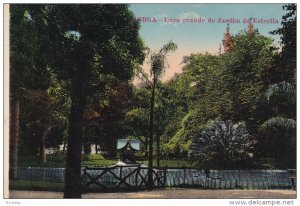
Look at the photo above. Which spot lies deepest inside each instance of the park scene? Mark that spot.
(152, 101)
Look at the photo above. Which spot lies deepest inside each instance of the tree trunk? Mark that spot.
(42, 152)
(43, 144)
(96, 144)
(65, 145)
(146, 147)
(14, 135)
(96, 148)
(43, 158)
(87, 148)
(150, 163)
(73, 160)
(157, 150)
(86, 143)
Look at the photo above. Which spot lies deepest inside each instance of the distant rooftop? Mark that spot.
(134, 143)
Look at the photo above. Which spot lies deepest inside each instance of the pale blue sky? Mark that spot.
(200, 37)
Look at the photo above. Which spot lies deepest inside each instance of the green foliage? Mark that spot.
(95, 40)
(57, 160)
(279, 131)
(158, 60)
(281, 127)
(279, 140)
(278, 122)
(137, 120)
(210, 98)
(53, 160)
(222, 145)
(282, 88)
(79, 45)
(171, 106)
(105, 115)
(92, 157)
(35, 185)
(51, 111)
(244, 76)
(282, 98)
(32, 81)
(284, 68)
(57, 157)
(170, 163)
(87, 55)
(178, 145)
(26, 66)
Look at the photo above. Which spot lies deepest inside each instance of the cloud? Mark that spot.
(189, 15)
(160, 16)
(163, 24)
(198, 5)
(181, 16)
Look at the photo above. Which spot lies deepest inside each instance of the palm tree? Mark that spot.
(279, 131)
(222, 145)
(282, 96)
(279, 122)
(14, 134)
(158, 61)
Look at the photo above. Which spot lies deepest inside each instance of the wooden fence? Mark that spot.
(120, 178)
(116, 178)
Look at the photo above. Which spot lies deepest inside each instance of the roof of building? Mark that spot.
(134, 143)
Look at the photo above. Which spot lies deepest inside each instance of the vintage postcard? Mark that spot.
(150, 101)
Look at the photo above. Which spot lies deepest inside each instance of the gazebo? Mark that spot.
(127, 149)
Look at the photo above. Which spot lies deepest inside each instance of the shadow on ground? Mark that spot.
(166, 194)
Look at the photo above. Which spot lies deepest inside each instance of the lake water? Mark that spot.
(174, 177)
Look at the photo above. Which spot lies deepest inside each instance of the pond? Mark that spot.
(222, 179)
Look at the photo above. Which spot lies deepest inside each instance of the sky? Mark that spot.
(171, 22)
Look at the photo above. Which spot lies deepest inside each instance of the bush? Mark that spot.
(36, 185)
(56, 157)
(222, 145)
(92, 157)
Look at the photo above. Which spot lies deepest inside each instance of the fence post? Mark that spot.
(183, 175)
(44, 174)
(292, 177)
(239, 183)
(165, 175)
(121, 172)
(136, 176)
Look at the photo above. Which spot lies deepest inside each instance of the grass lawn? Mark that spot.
(35, 185)
(169, 163)
(59, 161)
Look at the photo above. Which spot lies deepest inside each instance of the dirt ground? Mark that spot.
(166, 194)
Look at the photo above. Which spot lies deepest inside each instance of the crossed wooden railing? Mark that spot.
(122, 177)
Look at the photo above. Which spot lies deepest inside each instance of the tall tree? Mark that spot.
(106, 116)
(137, 123)
(284, 68)
(17, 59)
(81, 39)
(280, 128)
(158, 62)
(26, 72)
(244, 76)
